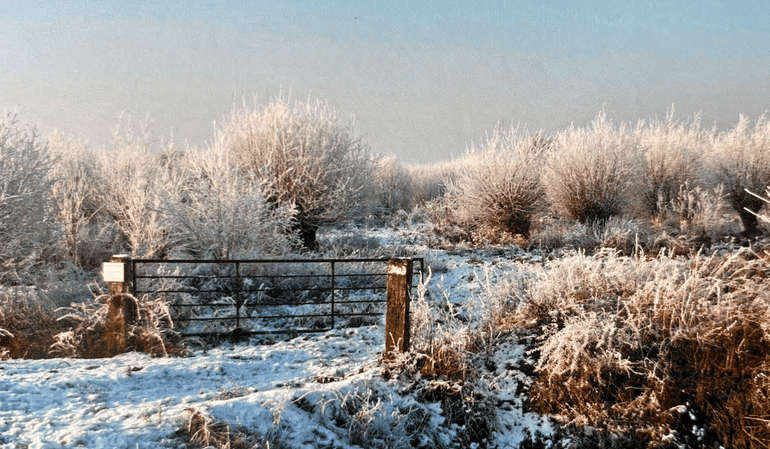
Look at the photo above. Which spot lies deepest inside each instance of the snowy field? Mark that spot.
(300, 389)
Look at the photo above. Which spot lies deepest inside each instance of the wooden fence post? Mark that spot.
(397, 316)
(117, 273)
(123, 309)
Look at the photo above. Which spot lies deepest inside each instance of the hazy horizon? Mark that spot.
(423, 80)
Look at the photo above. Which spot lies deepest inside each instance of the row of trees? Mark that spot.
(274, 174)
(601, 171)
(268, 180)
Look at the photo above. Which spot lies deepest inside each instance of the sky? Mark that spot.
(422, 79)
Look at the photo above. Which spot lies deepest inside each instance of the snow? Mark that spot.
(136, 401)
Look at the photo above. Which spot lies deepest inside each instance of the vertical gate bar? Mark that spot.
(237, 295)
(333, 286)
(132, 287)
(422, 269)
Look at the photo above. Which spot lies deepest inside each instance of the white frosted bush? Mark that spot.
(593, 173)
(314, 163)
(499, 186)
(674, 154)
(741, 162)
(130, 186)
(26, 225)
(213, 209)
(625, 343)
(89, 235)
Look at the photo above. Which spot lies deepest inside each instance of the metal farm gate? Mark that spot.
(268, 296)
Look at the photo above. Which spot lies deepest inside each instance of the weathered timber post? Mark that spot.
(397, 315)
(123, 309)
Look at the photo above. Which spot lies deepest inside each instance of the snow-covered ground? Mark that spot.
(297, 387)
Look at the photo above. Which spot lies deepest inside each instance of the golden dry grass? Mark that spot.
(638, 347)
(27, 323)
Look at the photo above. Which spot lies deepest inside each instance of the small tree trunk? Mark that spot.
(307, 234)
(750, 223)
(747, 207)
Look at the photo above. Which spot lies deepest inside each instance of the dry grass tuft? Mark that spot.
(109, 326)
(204, 432)
(27, 323)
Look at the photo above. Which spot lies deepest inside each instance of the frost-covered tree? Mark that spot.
(214, 209)
(26, 227)
(741, 162)
(499, 187)
(313, 162)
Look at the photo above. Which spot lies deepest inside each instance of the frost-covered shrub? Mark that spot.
(94, 329)
(674, 154)
(129, 188)
(314, 164)
(700, 212)
(499, 186)
(27, 322)
(213, 209)
(593, 173)
(392, 188)
(89, 236)
(439, 341)
(26, 225)
(442, 362)
(741, 161)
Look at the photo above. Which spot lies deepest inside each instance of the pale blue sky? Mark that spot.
(423, 79)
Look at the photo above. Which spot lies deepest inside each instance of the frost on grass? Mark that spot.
(625, 344)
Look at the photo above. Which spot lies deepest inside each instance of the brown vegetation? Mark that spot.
(650, 348)
(28, 323)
